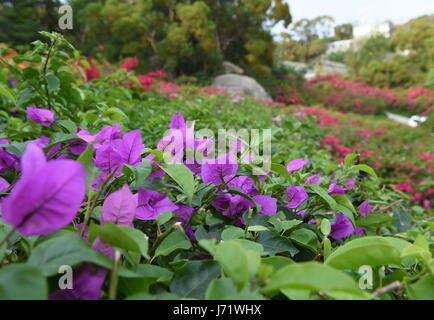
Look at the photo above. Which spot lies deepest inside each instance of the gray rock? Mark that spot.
(231, 68)
(238, 84)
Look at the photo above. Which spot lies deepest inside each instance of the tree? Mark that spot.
(306, 40)
(344, 31)
(182, 36)
(20, 20)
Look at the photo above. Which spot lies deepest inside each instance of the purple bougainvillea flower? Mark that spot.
(365, 209)
(342, 227)
(105, 248)
(120, 207)
(107, 135)
(360, 231)
(349, 183)
(131, 147)
(296, 196)
(184, 213)
(85, 135)
(44, 117)
(151, 204)
(230, 205)
(87, 284)
(312, 221)
(335, 189)
(41, 142)
(12, 83)
(108, 158)
(219, 169)
(8, 160)
(315, 179)
(47, 196)
(268, 205)
(296, 165)
(4, 185)
(244, 183)
(77, 147)
(178, 122)
(301, 213)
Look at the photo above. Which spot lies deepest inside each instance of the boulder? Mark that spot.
(231, 68)
(238, 84)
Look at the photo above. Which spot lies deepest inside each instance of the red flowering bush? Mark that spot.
(353, 96)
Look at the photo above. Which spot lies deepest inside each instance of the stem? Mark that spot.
(393, 286)
(249, 216)
(6, 238)
(93, 203)
(161, 237)
(114, 275)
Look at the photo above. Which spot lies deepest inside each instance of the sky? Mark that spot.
(359, 11)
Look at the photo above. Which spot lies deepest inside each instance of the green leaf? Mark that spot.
(374, 220)
(53, 82)
(277, 262)
(364, 168)
(193, 279)
(274, 243)
(284, 225)
(281, 170)
(140, 171)
(183, 177)
(322, 193)
(257, 228)
(220, 289)
(314, 276)
(422, 289)
(124, 237)
(306, 238)
(325, 227)
(349, 159)
(174, 241)
(65, 249)
(164, 217)
(371, 250)
(232, 232)
(5, 92)
(68, 125)
(22, 282)
(234, 261)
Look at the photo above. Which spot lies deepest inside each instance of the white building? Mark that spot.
(360, 33)
(372, 29)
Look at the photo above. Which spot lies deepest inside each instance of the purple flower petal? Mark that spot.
(87, 284)
(360, 231)
(44, 117)
(296, 196)
(4, 185)
(120, 207)
(108, 158)
(365, 209)
(130, 147)
(151, 204)
(342, 227)
(349, 183)
(315, 179)
(48, 195)
(335, 189)
(268, 204)
(223, 167)
(296, 165)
